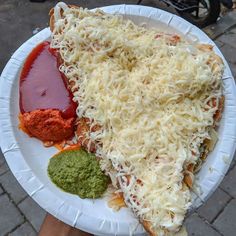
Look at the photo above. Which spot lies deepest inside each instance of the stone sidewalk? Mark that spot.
(19, 214)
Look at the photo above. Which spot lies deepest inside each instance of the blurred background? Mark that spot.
(20, 19)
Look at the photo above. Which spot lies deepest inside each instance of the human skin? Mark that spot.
(54, 227)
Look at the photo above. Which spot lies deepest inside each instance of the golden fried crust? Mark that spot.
(147, 227)
(52, 19)
(219, 111)
(205, 47)
(187, 178)
(117, 201)
(217, 116)
(83, 128)
(209, 48)
(213, 57)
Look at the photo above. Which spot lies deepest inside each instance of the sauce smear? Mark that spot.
(42, 85)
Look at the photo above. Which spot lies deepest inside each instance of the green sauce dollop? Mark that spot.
(78, 172)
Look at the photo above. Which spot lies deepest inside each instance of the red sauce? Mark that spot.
(42, 85)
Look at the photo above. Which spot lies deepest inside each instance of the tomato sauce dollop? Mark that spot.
(42, 86)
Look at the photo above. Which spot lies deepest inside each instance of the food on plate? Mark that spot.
(47, 109)
(82, 132)
(148, 105)
(77, 171)
(47, 125)
(155, 97)
(116, 201)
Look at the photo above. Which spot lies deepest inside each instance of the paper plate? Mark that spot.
(28, 158)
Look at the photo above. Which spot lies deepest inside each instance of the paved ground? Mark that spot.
(21, 216)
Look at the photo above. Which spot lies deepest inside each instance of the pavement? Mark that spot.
(19, 214)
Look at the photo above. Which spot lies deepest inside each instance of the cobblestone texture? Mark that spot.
(232, 165)
(198, 227)
(229, 53)
(214, 205)
(229, 183)
(33, 212)
(10, 216)
(3, 168)
(24, 230)
(1, 190)
(222, 26)
(225, 222)
(20, 215)
(228, 38)
(10, 184)
(2, 159)
(218, 43)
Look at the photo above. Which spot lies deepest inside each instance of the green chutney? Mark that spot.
(77, 171)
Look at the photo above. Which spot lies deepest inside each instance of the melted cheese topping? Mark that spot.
(152, 95)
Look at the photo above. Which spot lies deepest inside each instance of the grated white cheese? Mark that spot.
(153, 99)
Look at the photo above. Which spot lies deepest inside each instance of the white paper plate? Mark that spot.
(28, 159)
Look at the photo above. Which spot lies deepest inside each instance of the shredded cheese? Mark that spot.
(152, 95)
